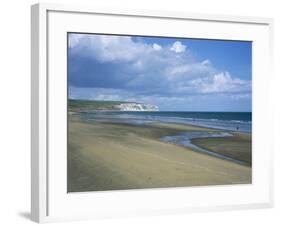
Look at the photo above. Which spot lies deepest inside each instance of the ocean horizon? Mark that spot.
(231, 121)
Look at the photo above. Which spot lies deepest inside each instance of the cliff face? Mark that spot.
(93, 105)
(136, 107)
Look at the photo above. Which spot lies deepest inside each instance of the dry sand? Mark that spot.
(104, 156)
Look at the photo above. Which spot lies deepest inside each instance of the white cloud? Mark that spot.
(178, 47)
(156, 46)
(239, 97)
(105, 48)
(149, 69)
(192, 69)
(221, 82)
(206, 63)
(74, 40)
(107, 97)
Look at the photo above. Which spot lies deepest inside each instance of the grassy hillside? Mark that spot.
(81, 105)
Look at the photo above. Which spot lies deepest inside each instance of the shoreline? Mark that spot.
(197, 148)
(194, 146)
(146, 117)
(117, 156)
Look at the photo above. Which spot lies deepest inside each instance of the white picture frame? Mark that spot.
(48, 194)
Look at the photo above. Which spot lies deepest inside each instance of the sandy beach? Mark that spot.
(113, 156)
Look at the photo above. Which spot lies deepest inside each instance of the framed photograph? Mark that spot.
(144, 112)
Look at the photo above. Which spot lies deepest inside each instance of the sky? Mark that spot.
(175, 74)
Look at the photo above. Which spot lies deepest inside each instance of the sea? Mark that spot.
(226, 122)
(229, 121)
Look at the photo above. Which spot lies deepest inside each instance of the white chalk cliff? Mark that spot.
(136, 107)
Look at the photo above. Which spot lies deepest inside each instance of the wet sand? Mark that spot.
(238, 146)
(114, 156)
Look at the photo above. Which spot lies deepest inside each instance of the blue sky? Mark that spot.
(175, 74)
